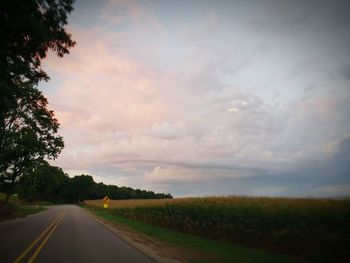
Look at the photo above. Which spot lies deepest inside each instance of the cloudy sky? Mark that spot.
(207, 97)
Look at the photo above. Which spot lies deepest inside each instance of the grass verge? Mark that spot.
(203, 250)
(28, 210)
(11, 211)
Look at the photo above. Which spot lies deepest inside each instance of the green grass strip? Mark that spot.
(28, 210)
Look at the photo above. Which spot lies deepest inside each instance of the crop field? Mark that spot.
(317, 229)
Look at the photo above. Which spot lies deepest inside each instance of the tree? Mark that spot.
(45, 183)
(29, 135)
(83, 186)
(28, 30)
(28, 130)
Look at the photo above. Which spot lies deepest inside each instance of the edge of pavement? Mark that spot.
(138, 245)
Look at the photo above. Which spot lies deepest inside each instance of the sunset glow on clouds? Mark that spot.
(207, 98)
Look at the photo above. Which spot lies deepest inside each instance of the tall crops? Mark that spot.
(311, 228)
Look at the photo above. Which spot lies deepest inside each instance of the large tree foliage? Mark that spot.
(47, 183)
(28, 136)
(28, 30)
(28, 129)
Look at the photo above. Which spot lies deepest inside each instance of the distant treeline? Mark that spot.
(49, 183)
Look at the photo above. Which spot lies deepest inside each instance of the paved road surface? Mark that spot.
(64, 234)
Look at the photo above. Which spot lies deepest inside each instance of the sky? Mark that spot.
(198, 98)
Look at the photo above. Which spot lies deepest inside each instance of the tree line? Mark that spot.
(50, 183)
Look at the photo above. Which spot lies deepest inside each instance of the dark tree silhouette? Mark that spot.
(83, 186)
(29, 135)
(28, 129)
(50, 183)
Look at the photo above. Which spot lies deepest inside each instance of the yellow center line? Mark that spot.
(25, 252)
(37, 251)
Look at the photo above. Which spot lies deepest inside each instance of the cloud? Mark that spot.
(343, 151)
(332, 191)
(183, 174)
(343, 72)
(174, 175)
(144, 104)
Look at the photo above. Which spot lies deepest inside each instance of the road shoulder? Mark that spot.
(159, 252)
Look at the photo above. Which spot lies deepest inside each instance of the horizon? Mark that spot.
(203, 98)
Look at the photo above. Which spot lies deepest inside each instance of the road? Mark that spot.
(65, 233)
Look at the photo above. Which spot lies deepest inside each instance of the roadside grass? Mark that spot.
(14, 199)
(28, 210)
(204, 250)
(13, 209)
(40, 203)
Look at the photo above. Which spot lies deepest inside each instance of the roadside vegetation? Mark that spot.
(131, 203)
(14, 208)
(193, 248)
(314, 229)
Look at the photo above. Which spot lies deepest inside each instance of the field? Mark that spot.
(315, 229)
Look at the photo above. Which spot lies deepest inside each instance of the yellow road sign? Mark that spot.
(105, 202)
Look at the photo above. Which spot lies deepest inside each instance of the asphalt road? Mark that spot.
(63, 234)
